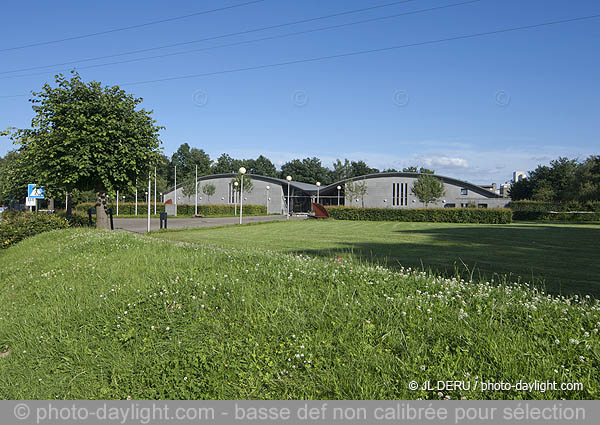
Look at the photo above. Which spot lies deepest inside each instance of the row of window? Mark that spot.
(400, 194)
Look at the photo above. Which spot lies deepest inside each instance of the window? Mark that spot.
(481, 205)
(400, 194)
(450, 206)
(464, 191)
(232, 194)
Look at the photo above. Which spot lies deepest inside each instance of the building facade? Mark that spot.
(268, 191)
(383, 190)
(393, 190)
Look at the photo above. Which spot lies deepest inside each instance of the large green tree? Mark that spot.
(261, 166)
(85, 136)
(307, 170)
(428, 189)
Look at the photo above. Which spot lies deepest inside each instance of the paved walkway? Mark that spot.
(139, 225)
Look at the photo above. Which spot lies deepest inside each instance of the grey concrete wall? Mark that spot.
(258, 195)
(380, 193)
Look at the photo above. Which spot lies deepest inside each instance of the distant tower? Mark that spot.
(518, 176)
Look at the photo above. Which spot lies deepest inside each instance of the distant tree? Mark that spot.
(424, 170)
(261, 166)
(308, 170)
(186, 159)
(360, 168)
(88, 137)
(556, 182)
(226, 164)
(340, 171)
(428, 189)
(586, 184)
(209, 190)
(523, 189)
(356, 190)
(389, 170)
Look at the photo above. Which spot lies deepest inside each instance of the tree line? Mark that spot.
(564, 180)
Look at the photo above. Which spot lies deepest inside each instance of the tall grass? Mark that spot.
(92, 314)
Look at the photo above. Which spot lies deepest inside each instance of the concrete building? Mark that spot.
(393, 190)
(383, 190)
(268, 191)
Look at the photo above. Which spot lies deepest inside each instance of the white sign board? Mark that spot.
(30, 202)
(35, 192)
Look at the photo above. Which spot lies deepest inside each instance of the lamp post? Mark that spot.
(268, 187)
(161, 197)
(318, 187)
(339, 188)
(235, 184)
(129, 209)
(136, 196)
(149, 198)
(289, 179)
(196, 199)
(117, 203)
(175, 196)
(242, 172)
(154, 190)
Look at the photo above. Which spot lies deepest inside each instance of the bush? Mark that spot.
(441, 215)
(17, 226)
(128, 208)
(249, 209)
(78, 219)
(553, 211)
(125, 208)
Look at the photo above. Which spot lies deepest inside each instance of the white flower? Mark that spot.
(168, 328)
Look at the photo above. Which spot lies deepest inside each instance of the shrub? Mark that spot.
(249, 209)
(553, 211)
(78, 219)
(15, 227)
(128, 208)
(445, 215)
(125, 208)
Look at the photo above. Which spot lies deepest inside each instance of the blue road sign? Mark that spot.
(33, 192)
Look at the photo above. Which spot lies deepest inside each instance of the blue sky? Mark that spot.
(475, 109)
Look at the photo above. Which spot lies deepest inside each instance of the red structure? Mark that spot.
(320, 211)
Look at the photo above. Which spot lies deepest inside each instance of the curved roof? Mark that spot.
(456, 182)
(306, 187)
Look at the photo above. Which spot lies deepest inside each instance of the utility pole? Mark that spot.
(175, 197)
(196, 186)
(149, 195)
(154, 190)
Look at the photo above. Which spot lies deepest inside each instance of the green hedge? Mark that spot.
(15, 227)
(215, 209)
(567, 211)
(125, 208)
(128, 208)
(442, 215)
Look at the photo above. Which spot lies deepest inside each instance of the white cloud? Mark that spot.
(445, 161)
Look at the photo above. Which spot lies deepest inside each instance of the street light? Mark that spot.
(268, 187)
(242, 172)
(289, 179)
(236, 184)
(117, 203)
(339, 188)
(318, 186)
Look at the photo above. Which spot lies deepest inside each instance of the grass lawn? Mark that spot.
(100, 314)
(566, 258)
